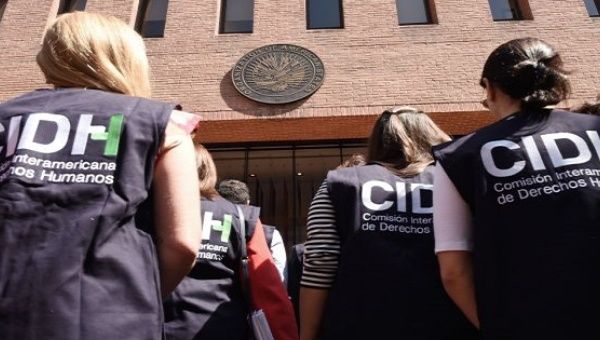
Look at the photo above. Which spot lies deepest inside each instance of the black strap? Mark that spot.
(245, 277)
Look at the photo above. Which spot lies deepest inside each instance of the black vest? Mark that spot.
(532, 182)
(388, 284)
(74, 167)
(208, 303)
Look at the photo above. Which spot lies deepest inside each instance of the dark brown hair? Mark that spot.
(401, 140)
(207, 172)
(530, 70)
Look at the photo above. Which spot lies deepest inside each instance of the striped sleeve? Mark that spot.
(322, 248)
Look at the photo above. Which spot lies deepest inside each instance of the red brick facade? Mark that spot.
(370, 64)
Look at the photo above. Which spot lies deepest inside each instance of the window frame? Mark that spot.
(519, 7)
(222, 19)
(597, 4)
(430, 13)
(3, 4)
(141, 16)
(66, 6)
(342, 23)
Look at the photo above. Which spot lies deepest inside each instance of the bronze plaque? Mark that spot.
(278, 74)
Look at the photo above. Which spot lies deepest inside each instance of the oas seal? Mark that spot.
(278, 74)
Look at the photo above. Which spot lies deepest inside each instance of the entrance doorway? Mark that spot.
(283, 179)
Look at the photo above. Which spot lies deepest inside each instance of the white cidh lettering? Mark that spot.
(367, 190)
(416, 191)
(84, 130)
(417, 202)
(549, 143)
(556, 156)
(61, 137)
(488, 159)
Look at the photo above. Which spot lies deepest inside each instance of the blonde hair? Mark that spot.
(402, 138)
(207, 172)
(89, 50)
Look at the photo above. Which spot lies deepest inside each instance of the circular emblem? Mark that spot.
(278, 74)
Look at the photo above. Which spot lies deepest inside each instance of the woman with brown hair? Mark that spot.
(516, 206)
(212, 302)
(78, 163)
(369, 270)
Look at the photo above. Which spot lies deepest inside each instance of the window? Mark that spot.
(507, 10)
(324, 14)
(152, 17)
(66, 6)
(593, 7)
(237, 16)
(413, 12)
(2, 7)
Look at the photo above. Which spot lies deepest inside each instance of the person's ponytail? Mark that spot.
(529, 70)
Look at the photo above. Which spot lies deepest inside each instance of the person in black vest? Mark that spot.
(369, 267)
(237, 192)
(296, 260)
(210, 302)
(76, 163)
(516, 205)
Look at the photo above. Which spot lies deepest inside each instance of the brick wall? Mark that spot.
(370, 64)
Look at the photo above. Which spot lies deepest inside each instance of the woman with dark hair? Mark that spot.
(369, 270)
(516, 206)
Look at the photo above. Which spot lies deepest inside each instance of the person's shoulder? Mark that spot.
(575, 116)
(27, 97)
(474, 140)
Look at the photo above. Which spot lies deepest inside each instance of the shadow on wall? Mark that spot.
(237, 102)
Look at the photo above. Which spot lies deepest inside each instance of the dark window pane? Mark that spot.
(593, 7)
(237, 16)
(505, 10)
(324, 13)
(153, 18)
(272, 188)
(2, 7)
(66, 6)
(412, 12)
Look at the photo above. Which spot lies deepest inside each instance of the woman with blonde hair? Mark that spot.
(369, 268)
(78, 163)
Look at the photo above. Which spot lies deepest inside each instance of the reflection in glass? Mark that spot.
(593, 7)
(413, 12)
(237, 16)
(503, 10)
(66, 6)
(152, 18)
(324, 14)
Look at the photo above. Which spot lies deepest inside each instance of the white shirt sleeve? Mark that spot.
(452, 226)
(278, 253)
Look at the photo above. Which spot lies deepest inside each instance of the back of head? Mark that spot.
(207, 172)
(90, 50)
(234, 191)
(402, 139)
(529, 70)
